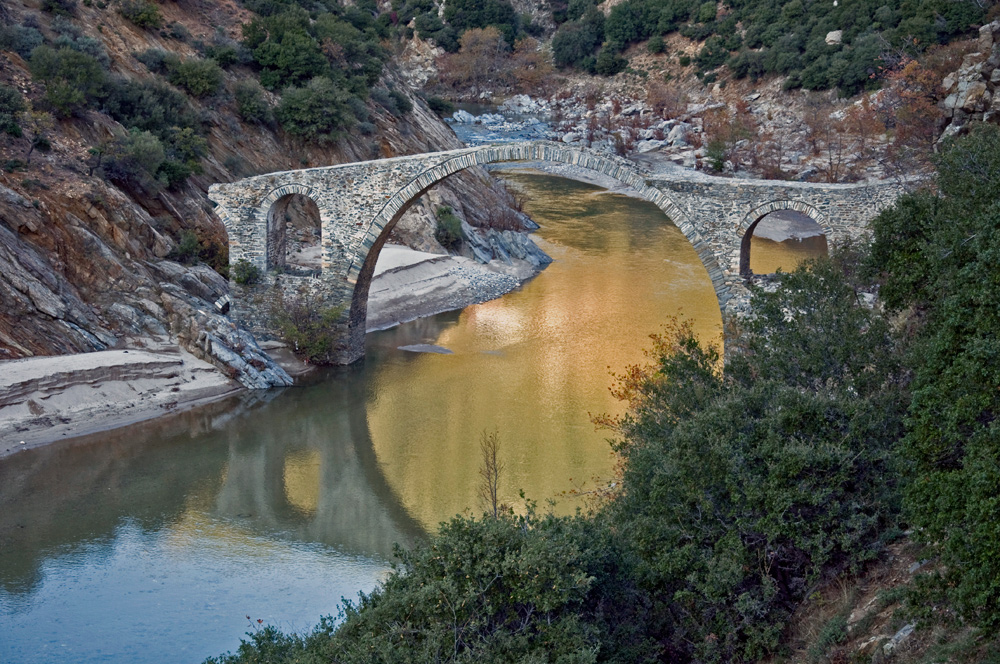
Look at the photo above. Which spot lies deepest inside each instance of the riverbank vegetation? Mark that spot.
(836, 425)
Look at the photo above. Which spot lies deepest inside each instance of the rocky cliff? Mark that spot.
(85, 264)
(972, 93)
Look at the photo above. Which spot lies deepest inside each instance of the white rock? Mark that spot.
(571, 137)
(463, 117)
(834, 37)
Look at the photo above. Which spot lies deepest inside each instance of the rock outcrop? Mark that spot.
(973, 92)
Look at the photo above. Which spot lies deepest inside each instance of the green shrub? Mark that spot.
(134, 159)
(318, 112)
(713, 54)
(741, 490)
(574, 41)
(246, 273)
(251, 104)
(283, 47)
(149, 105)
(449, 228)
(310, 329)
(441, 106)
(393, 101)
(59, 7)
(707, 11)
(20, 38)
(86, 45)
(684, 60)
(464, 15)
(141, 13)
(73, 80)
(226, 55)
(11, 107)
(655, 45)
(610, 63)
(187, 249)
(937, 253)
(199, 78)
(158, 60)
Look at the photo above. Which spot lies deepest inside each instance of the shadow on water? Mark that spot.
(313, 478)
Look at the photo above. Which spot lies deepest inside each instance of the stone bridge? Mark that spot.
(360, 203)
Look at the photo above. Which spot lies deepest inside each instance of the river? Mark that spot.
(167, 541)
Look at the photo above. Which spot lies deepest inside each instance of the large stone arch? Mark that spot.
(363, 265)
(744, 230)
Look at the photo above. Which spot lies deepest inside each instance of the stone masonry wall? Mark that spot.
(360, 203)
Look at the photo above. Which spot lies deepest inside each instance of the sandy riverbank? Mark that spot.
(47, 399)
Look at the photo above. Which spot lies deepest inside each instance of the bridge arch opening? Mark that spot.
(780, 240)
(363, 268)
(294, 235)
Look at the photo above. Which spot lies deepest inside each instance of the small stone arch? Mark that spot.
(362, 268)
(749, 222)
(274, 243)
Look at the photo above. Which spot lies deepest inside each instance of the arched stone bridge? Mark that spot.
(360, 203)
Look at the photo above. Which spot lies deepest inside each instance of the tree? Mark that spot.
(11, 107)
(481, 60)
(38, 124)
(910, 105)
(318, 112)
(73, 80)
(490, 471)
(937, 254)
(530, 66)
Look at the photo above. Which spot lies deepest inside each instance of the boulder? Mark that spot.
(463, 117)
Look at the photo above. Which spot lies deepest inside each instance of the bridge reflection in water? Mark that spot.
(187, 525)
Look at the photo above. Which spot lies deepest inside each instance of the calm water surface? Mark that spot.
(154, 543)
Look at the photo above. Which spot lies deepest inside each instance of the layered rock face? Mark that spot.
(973, 92)
(84, 263)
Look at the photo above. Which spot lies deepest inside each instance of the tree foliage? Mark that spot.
(777, 38)
(317, 112)
(11, 107)
(938, 253)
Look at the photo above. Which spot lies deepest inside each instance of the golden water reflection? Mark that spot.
(535, 364)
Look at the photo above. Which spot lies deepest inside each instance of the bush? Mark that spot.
(150, 106)
(610, 63)
(441, 106)
(186, 250)
(655, 45)
(574, 41)
(937, 254)
(246, 273)
(251, 104)
(449, 228)
(20, 39)
(158, 60)
(393, 101)
(741, 490)
(59, 7)
(73, 80)
(310, 329)
(11, 107)
(199, 78)
(318, 112)
(141, 13)
(134, 160)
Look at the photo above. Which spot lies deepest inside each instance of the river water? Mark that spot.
(167, 541)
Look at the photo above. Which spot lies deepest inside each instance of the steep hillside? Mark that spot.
(99, 249)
